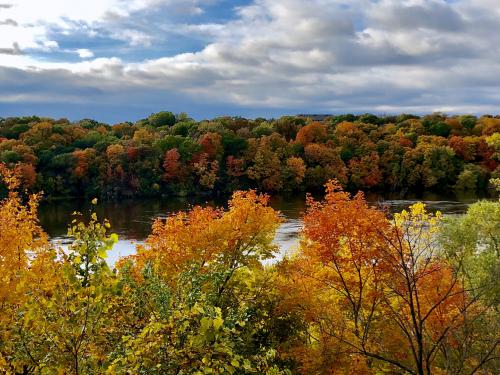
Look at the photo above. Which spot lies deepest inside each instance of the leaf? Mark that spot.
(218, 323)
(205, 324)
(102, 252)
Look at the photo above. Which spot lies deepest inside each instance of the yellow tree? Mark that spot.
(240, 236)
(21, 240)
(63, 324)
(52, 303)
(20, 233)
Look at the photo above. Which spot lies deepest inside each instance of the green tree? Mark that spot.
(162, 119)
(472, 244)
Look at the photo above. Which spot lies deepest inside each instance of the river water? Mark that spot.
(131, 220)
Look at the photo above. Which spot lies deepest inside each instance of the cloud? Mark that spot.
(272, 56)
(8, 22)
(40, 20)
(85, 53)
(431, 15)
(15, 50)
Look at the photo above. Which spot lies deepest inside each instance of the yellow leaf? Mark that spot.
(102, 253)
(218, 322)
(204, 324)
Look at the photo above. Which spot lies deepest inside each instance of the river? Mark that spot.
(132, 219)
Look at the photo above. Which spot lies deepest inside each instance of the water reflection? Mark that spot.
(131, 220)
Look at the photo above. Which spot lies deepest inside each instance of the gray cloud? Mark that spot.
(9, 22)
(15, 50)
(434, 15)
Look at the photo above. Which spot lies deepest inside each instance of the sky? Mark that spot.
(121, 60)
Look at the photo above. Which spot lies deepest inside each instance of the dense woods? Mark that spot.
(365, 293)
(175, 155)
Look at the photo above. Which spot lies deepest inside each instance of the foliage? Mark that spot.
(365, 293)
(393, 153)
(473, 241)
(378, 295)
(162, 119)
(193, 270)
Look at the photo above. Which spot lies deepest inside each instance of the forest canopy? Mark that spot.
(167, 154)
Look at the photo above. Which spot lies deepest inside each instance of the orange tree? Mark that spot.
(376, 293)
(197, 298)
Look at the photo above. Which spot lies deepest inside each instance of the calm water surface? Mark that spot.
(131, 220)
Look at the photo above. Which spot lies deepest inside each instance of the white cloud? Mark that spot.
(30, 22)
(85, 53)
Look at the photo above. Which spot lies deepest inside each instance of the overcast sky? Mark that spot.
(117, 60)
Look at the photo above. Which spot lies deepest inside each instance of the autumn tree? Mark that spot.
(20, 233)
(364, 171)
(207, 171)
(211, 144)
(352, 140)
(64, 315)
(295, 171)
(266, 166)
(465, 147)
(314, 132)
(377, 293)
(494, 142)
(21, 239)
(171, 165)
(202, 276)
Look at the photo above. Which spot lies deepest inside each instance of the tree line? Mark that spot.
(365, 293)
(167, 154)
